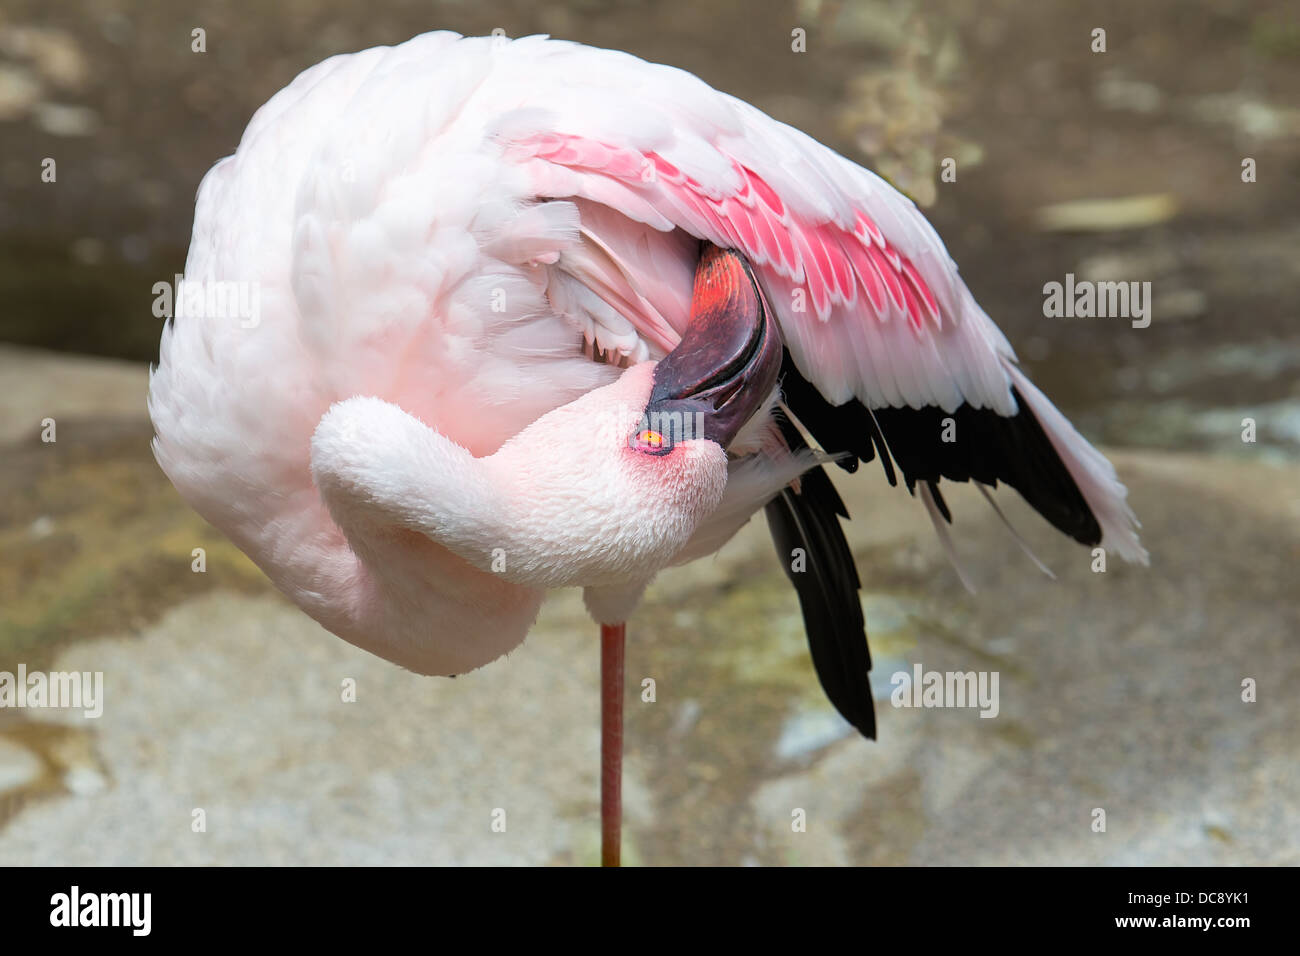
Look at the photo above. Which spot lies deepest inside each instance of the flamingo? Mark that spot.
(533, 315)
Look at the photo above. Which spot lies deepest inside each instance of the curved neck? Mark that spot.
(419, 516)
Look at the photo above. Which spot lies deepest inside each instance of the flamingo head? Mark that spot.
(722, 373)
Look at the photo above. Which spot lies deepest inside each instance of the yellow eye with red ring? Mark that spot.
(650, 442)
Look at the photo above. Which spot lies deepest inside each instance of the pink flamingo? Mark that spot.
(528, 314)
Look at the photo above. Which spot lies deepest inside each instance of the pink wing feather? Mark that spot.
(868, 299)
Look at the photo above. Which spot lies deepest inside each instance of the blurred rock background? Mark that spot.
(1119, 690)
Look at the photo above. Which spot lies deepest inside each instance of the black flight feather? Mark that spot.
(827, 585)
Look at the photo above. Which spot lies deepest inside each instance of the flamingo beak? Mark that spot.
(727, 363)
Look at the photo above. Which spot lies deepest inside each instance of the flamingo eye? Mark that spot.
(650, 442)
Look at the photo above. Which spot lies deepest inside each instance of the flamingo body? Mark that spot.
(469, 253)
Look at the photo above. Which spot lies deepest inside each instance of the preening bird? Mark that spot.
(533, 315)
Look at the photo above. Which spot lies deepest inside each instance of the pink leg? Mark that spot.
(611, 742)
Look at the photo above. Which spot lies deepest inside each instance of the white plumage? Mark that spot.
(452, 230)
